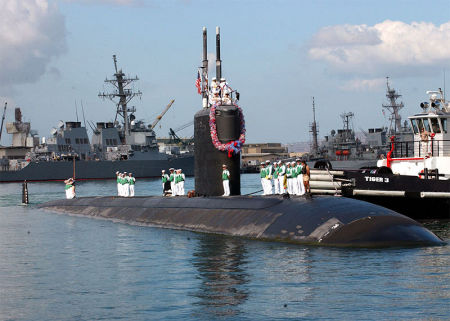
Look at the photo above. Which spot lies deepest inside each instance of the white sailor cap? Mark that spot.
(293, 163)
(279, 163)
(268, 161)
(214, 78)
(117, 172)
(222, 79)
(171, 169)
(262, 163)
(163, 171)
(130, 173)
(224, 165)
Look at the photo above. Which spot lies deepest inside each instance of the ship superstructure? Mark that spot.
(402, 132)
(345, 149)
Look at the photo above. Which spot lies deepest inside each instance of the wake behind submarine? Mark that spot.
(219, 132)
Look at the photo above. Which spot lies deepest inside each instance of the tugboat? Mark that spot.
(414, 177)
(126, 144)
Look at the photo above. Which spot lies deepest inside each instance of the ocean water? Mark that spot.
(61, 267)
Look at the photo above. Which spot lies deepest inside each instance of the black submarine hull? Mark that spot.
(320, 220)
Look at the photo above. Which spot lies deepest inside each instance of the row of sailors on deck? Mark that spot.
(220, 92)
(173, 183)
(289, 177)
(125, 184)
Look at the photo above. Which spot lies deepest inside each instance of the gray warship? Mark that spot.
(343, 149)
(125, 144)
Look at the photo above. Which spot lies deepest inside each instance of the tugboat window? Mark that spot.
(426, 124)
(420, 124)
(435, 125)
(444, 125)
(414, 126)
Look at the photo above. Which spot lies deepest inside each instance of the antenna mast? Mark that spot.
(314, 131)
(346, 118)
(3, 119)
(123, 94)
(218, 61)
(393, 108)
(205, 81)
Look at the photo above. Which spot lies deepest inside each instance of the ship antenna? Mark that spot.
(3, 119)
(82, 110)
(76, 109)
(314, 131)
(115, 62)
(205, 80)
(218, 61)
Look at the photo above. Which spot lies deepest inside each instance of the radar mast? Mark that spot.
(347, 119)
(393, 107)
(121, 96)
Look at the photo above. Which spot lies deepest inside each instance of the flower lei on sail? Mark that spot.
(233, 147)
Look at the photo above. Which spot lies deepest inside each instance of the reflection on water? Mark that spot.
(59, 267)
(220, 262)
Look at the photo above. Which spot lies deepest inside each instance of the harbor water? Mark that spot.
(62, 267)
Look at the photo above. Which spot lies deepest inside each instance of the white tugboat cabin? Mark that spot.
(428, 156)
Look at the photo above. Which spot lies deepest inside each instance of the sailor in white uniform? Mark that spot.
(215, 98)
(294, 179)
(126, 185)
(289, 177)
(118, 182)
(214, 85)
(281, 177)
(276, 185)
(269, 175)
(172, 181)
(226, 180)
(262, 174)
(164, 179)
(224, 86)
(131, 181)
(301, 187)
(181, 179)
(70, 188)
(226, 100)
(121, 185)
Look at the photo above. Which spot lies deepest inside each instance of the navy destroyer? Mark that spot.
(343, 149)
(125, 144)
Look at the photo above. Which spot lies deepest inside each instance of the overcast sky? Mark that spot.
(278, 54)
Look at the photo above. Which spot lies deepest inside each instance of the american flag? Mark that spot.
(198, 83)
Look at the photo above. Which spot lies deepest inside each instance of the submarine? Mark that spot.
(219, 132)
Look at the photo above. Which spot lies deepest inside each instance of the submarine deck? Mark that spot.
(320, 220)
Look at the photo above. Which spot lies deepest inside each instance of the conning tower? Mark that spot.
(227, 118)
